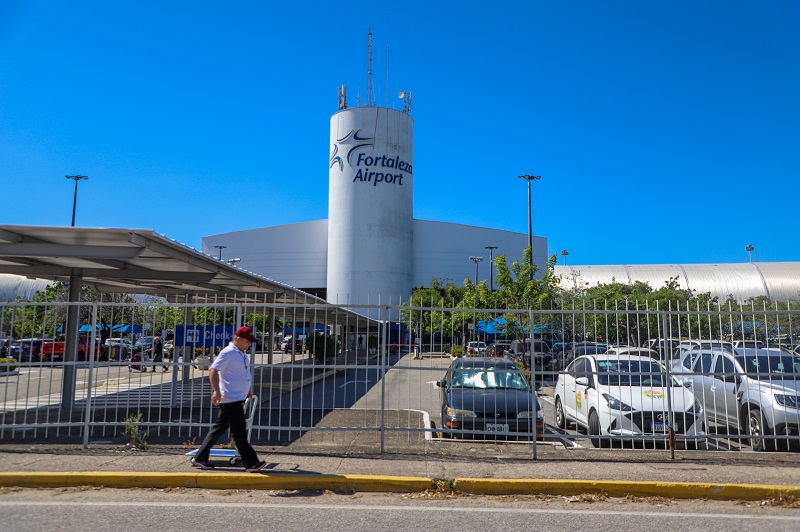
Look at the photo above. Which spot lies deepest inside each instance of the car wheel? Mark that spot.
(561, 421)
(757, 428)
(594, 429)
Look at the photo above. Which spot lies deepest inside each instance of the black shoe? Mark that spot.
(201, 465)
(258, 466)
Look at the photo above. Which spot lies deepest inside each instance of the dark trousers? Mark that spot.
(230, 415)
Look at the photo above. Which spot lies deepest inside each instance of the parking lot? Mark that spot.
(393, 401)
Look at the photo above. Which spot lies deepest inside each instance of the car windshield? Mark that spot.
(489, 378)
(631, 373)
(786, 367)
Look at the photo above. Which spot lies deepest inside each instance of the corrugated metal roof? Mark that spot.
(779, 281)
(12, 286)
(140, 261)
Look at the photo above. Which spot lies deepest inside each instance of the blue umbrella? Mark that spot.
(126, 328)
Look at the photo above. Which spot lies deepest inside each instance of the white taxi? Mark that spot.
(626, 396)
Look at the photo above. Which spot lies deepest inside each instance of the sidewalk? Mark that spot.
(713, 475)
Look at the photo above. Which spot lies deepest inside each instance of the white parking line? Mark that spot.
(347, 383)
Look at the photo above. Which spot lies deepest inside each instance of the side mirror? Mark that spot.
(582, 381)
(687, 383)
(442, 383)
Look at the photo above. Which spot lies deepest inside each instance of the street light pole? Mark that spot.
(491, 270)
(220, 248)
(750, 250)
(530, 178)
(564, 254)
(75, 196)
(476, 260)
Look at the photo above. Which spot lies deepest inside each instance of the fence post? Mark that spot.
(533, 377)
(670, 414)
(91, 354)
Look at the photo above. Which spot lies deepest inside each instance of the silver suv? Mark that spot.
(755, 390)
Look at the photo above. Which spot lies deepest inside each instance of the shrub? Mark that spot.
(136, 437)
(457, 350)
(8, 364)
(321, 346)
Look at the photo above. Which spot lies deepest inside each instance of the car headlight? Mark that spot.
(792, 401)
(697, 408)
(616, 404)
(455, 412)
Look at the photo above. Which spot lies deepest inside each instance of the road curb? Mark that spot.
(616, 488)
(211, 480)
(396, 484)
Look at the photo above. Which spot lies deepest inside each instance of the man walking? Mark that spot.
(230, 381)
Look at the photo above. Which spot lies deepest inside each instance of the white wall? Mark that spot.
(295, 254)
(443, 249)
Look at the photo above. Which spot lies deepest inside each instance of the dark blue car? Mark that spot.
(488, 398)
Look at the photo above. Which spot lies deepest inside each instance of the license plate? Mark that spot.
(661, 426)
(497, 427)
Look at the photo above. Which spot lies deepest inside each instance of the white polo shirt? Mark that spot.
(234, 374)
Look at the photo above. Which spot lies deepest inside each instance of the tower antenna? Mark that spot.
(387, 74)
(369, 68)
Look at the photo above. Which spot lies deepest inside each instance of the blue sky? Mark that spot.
(664, 132)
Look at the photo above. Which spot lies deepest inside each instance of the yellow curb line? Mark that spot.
(210, 480)
(381, 483)
(616, 488)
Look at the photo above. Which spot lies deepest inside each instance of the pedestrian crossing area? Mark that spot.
(123, 393)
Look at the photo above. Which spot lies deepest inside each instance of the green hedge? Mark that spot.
(322, 347)
(8, 364)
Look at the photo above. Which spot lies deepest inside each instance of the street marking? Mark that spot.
(347, 383)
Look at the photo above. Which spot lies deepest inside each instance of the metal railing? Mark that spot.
(384, 386)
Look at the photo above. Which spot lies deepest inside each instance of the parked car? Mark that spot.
(5, 343)
(143, 344)
(665, 347)
(748, 344)
(118, 348)
(538, 350)
(498, 348)
(626, 395)
(488, 394)
(474, 349)
(299, 344)
(596, 349)
(27, 349)
(53, 350)
(635, 351)
(755, 390)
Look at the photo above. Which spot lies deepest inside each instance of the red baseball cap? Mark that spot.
(246, 333)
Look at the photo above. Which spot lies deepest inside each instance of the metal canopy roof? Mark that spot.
(140, 261)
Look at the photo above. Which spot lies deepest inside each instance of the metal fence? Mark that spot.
(387, 385)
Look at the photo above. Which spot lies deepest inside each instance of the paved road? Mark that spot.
(297, 510)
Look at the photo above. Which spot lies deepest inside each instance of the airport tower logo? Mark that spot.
(369, 168)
